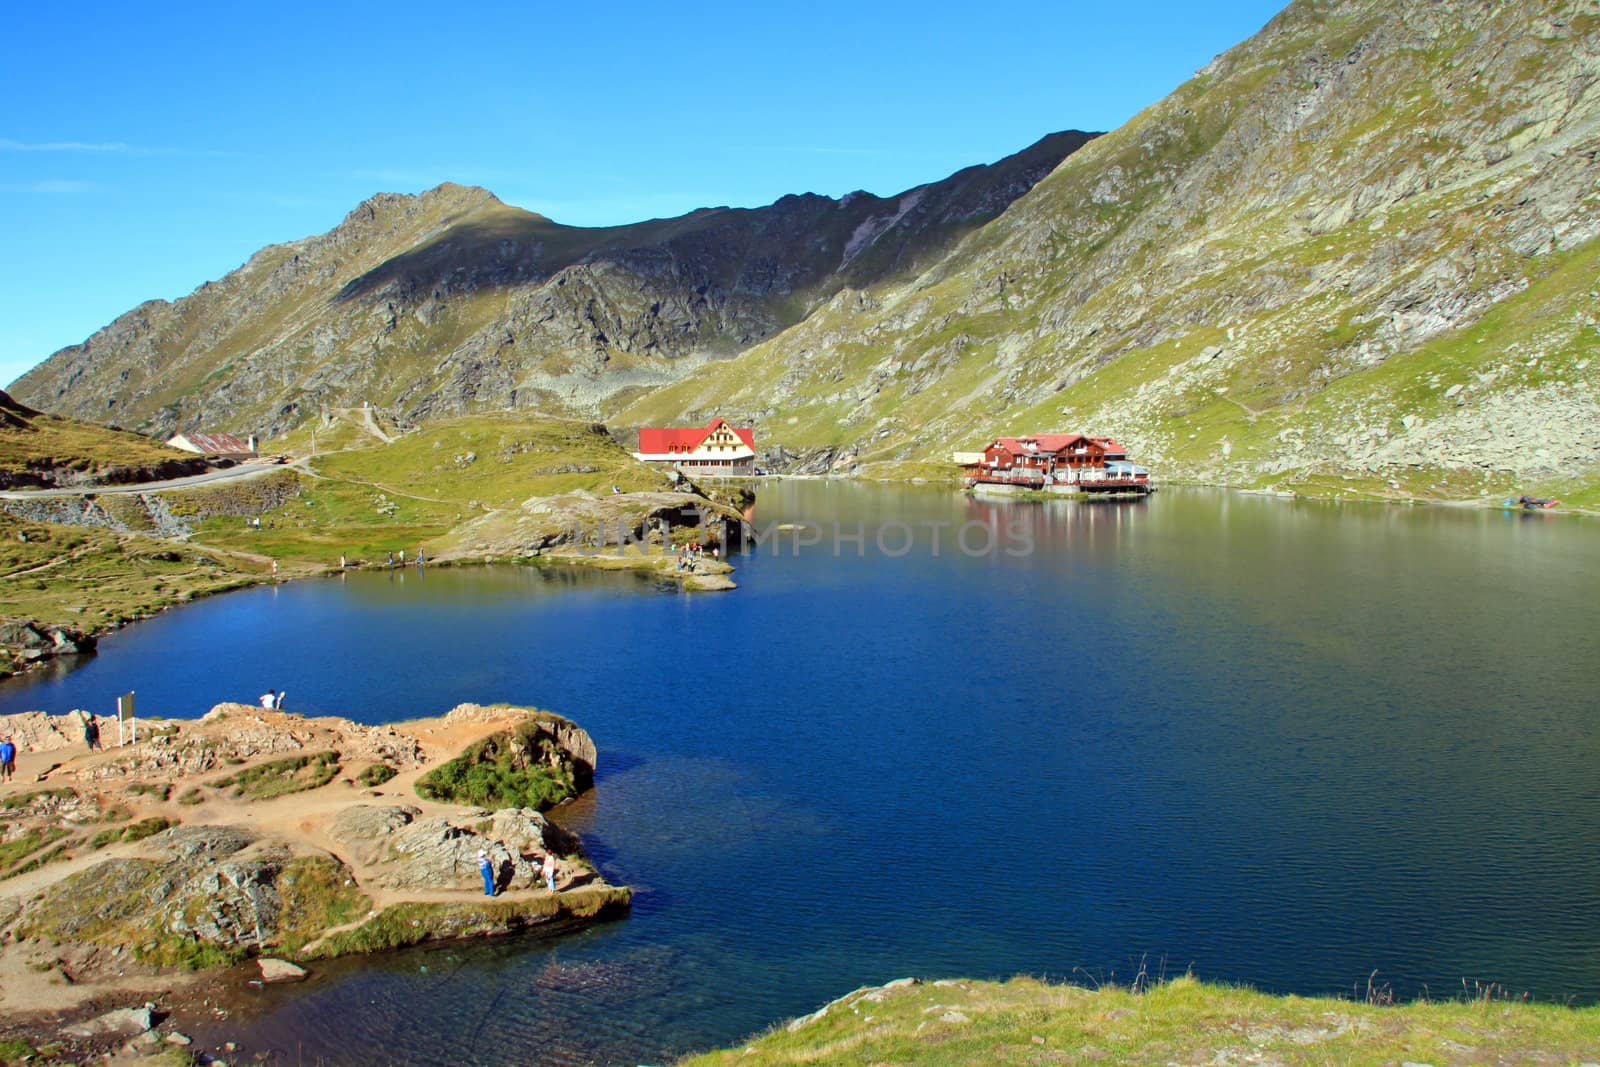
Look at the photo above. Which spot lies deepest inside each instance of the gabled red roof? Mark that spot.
(1041, 442)
(656, 440)
(218, 444)
(1110, 445)
(1055, 442)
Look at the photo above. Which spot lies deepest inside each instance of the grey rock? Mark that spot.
(121, 1021)
(366, 828)
(276, 970)
(191, 844)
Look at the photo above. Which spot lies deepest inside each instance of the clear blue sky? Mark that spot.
(147, 148)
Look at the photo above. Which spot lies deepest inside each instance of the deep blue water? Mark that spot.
(1275, 742)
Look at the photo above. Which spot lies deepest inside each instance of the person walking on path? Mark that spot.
(486, 869)
(8, 758)
(549, 870)
(91, 733)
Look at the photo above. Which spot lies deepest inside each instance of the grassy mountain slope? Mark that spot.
(450, 302)
(38, 450)
(379, 497)
(1356, 252)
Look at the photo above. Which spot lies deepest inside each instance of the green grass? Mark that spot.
(493, 773)
(278, 778)
(191, 796)
(27, 800)
(318, 893)
(1024, 1021)
(35, 447)
(29, 841)
(92, 579)
(376, 775)
(134, 832)
(41, 859)
(14, 1050)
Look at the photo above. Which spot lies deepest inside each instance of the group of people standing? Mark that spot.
(547, 870)
(273, 698)
(421, 559)
(687, 554)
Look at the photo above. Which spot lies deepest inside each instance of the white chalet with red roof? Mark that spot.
(1056, 462)
(715, 449)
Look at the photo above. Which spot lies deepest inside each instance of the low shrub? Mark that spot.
(281, 777)
(136, 832)
(518, 768)
(376, 775)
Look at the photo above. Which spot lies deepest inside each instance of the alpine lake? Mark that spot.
(1275, 742)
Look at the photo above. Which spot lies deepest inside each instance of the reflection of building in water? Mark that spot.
(1061, 521)
(1056, 463)
(716, 449)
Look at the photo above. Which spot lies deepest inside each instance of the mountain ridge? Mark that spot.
(451, 301)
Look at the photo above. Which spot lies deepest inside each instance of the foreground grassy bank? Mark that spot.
(1025, 1021)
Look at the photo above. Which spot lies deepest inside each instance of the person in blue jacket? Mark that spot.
(486, 869)
(8, 758)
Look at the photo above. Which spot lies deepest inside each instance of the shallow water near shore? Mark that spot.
(1276, 742)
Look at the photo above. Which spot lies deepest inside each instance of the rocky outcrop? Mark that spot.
(171, 750)
(273, 853)
(212, 897)
(441, 852)
(31, 641)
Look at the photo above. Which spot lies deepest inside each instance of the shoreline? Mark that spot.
(713, 577)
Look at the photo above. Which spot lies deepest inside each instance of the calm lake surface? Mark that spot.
(1275, 742)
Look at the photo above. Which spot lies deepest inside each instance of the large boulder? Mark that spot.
(408, 852)
(124, 1022)
(437, 854)
(198, 844)
(366, 829)
(275, 970)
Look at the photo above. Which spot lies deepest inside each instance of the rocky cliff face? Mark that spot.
(1361, 245)
(451, 301)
